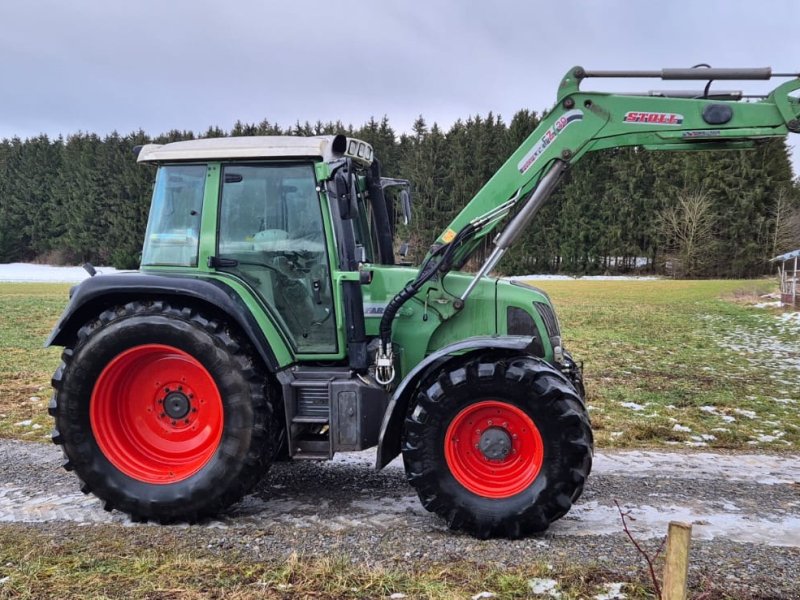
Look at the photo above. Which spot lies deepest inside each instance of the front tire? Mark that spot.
(498, 446)
(162, 413)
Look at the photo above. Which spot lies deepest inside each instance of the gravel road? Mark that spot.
(745, 512)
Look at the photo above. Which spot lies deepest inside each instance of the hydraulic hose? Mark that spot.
(427, 272)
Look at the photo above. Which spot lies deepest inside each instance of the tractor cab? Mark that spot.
(256, 210)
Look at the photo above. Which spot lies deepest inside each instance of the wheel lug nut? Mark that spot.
(194, 410)
(166, 390)
(162, 415)
(180, 388)
(186, 421)
(174, 422)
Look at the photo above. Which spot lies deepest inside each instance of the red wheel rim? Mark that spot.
(156, 414)
(493, 477)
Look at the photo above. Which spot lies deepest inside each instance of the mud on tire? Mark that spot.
(180, 463)
(521, 495)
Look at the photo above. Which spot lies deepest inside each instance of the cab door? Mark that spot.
(271, 236)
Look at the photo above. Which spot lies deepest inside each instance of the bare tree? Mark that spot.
(688, 229)
(786, 234)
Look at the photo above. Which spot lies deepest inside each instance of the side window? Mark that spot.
(363, 231)
(270, 225)
(173, 229)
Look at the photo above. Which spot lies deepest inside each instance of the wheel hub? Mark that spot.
(156, 413)
(177, 405)
(494, 449)
(495, 443)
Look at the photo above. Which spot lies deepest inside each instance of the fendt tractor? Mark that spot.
(271, 321)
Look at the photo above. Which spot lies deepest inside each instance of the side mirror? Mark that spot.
(346, 193)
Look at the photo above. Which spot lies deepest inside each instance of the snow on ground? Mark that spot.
(542, 277)
(30, 273)
(775, 304)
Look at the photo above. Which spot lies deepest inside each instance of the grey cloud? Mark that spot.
(102, 66)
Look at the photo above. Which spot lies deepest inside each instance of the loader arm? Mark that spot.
(584, 122)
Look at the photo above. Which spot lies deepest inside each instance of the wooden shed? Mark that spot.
(788, 273)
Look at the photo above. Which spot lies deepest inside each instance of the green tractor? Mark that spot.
(271, 321)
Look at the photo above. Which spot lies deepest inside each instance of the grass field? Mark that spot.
(687, 363)
(95, 562)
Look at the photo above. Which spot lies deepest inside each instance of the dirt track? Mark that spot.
(745, 511)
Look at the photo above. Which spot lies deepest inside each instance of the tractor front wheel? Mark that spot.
(162, 413)
(498, 446)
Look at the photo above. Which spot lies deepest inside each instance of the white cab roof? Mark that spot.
(226, 148)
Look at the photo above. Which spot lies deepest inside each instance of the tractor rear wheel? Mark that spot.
(162, 413)
(498, 446)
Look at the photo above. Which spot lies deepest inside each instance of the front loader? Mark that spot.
(270, 321)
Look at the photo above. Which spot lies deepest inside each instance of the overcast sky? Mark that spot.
(99, 66)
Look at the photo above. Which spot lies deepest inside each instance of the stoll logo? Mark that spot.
(653, 118)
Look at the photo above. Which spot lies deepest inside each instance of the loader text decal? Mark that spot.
(653, 118)
(563, 122)
(701, 133)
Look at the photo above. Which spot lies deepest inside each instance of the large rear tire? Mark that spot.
(162, 413)
(498, 446)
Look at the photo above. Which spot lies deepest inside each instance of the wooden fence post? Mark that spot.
(676, 569)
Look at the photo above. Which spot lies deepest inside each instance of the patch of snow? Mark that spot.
(745, 413)
(621, 277)
(482, 595)
(766, 439)
(542, 277)
(712, 410)
(632, 405)
(25, 423)
(764, 469)
(708, 523)
(552, 277)
(776, 304)
(613, 592)
(679, 427)
(544, 587)
(728, 419)
(30, 273)
(397, 596)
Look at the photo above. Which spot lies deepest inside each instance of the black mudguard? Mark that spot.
(392, 427)
(96, 294)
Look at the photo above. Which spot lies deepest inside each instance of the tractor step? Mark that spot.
(330, 409)
(312, 449)
(304, 419)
